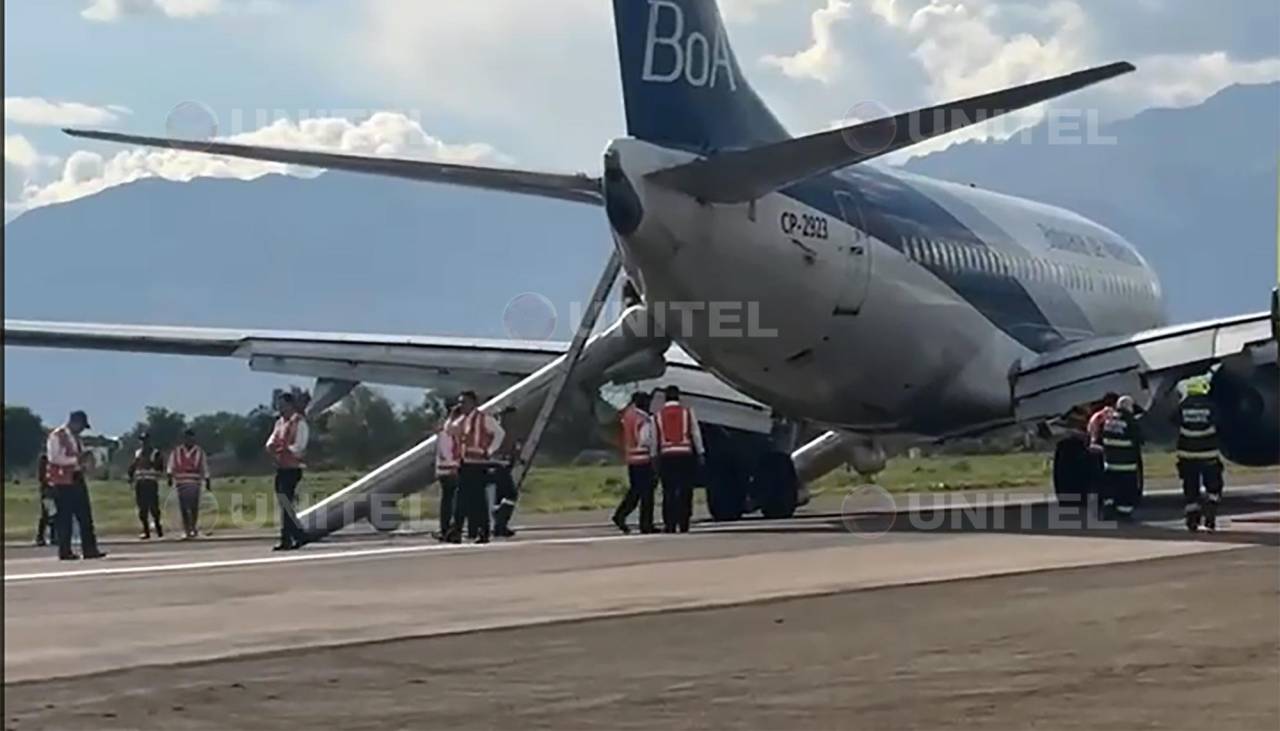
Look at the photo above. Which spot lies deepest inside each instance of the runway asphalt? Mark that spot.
(579, 626)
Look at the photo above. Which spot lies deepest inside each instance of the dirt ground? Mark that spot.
(1181, 643)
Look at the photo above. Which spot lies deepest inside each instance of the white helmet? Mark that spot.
(1125, 404)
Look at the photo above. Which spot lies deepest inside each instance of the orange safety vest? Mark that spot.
(476, 437)
(188, 464)
(675, 430)
(282, 438)
(633, 420)
(447, 448)
(63, 474)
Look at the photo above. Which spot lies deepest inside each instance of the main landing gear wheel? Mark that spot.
(777, 486)
(1074, 467)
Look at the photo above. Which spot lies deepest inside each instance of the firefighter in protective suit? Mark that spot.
(1121, 455)
(1199, 462)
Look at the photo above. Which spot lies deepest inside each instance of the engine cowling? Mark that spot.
(1247, 415)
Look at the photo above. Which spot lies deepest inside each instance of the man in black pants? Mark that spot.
(70, 493)
(505, 494)
(287, 445)
(679, 451)
(638, 450)
(479, 436)
(144, 473)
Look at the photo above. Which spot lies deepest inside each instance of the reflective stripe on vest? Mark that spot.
(188, 464)
(1119, 444)
(674, 430)
(1207, 455)
(476, 437)
(144, 466)
(1197, 435)
(633, 422)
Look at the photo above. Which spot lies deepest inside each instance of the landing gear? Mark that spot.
(776, 486)
(1074, 471)
(727, 475)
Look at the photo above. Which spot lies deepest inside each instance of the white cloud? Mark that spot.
(110, 11)
(384, 134)
(36, 111)
(1173, 80)
(823, 59)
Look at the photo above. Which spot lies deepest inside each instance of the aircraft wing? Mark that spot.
(341, 360)
(1148, 362)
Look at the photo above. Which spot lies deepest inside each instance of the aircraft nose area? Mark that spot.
(621, 201)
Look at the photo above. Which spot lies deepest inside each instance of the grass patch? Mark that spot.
(249, 501)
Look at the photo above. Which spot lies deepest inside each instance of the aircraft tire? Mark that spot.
(1073, 471)
(777, 486)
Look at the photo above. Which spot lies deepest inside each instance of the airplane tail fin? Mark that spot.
(681, 82)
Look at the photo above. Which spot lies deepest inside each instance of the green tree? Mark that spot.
(24, 436)
(421, 421)
(213, 431)
(364, 429)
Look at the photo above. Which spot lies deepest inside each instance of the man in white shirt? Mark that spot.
(480, 435)
(70, 493)
(287, 445)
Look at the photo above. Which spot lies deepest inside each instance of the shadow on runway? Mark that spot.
(1160, 517)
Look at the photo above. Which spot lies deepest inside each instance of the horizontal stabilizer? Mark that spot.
(578, 188)
(745, 175)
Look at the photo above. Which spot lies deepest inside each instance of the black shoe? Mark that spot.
(1193, 522)
(482, 540)
(144, 536)
(1211, 522)
(96, 554)
(619, 521)
(283, 547)
(159, 532)
(504, 532)
(69, 557)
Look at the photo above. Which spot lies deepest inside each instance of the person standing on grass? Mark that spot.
(188, 472)
(45, 522)
(287, 445)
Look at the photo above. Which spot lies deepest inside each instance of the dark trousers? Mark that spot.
(287, 479)
(640, 492)
(1197, 472)
(72, 504)
(449, 509)
(146, 495)
(189, 507)
(45, 522)
(473, 500)
(1122, 490)
(505, 497)
(678, 473)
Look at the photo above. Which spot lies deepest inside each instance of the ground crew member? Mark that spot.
(70, 492)
(1121, 453)
(287, 445)
(679, 451)
(144, 475)
(1094, 429)
(505, 494)
(639, 446)
(188, 472)
(1199, 461)
(45, 522)
(479, 435)
(447, 459)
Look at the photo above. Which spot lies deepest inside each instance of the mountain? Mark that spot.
(1194, 189)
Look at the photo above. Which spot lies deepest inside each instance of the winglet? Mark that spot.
(745, 175)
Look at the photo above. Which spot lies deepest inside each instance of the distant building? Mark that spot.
(98, 453)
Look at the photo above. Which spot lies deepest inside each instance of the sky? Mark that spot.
(534, 84)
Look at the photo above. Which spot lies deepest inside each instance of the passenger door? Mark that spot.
(854, 248)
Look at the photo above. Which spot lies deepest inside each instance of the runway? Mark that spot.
(596, 622)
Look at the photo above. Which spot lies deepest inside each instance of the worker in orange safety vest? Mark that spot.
(639, 447)
(287, 445)
(188, 472)
(70, 492)
(447, 463)
(679, 453)
(479, 436)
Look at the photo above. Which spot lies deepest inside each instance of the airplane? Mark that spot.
(879, 306)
